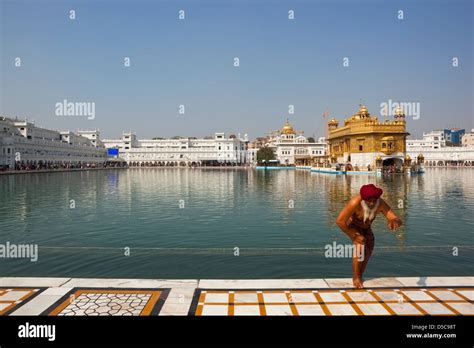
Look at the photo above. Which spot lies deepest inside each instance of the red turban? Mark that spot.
(370, 192)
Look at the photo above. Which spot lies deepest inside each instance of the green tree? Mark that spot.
(311, 140)
(265, 154)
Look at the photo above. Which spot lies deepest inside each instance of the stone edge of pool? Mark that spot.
(181, 293)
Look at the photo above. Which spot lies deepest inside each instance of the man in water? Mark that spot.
(356, 219)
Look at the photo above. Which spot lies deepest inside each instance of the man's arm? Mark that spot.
(394, 221)
(344, 215)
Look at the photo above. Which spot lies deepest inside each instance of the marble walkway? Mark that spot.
(145, 297)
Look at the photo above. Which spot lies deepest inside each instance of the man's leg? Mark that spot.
(369, 248)
(357, 266)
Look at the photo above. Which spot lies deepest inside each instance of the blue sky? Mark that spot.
(190, 62)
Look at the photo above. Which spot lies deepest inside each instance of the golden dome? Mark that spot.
(287, 128)
(333, 122)
(363, 110)
(399, 112)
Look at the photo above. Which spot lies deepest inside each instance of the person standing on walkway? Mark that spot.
(355, 220)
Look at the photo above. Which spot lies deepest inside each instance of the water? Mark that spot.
(227, 209)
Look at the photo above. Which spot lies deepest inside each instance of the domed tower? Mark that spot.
(399, 114)
(287, 128)
(363, 111)
(333, 124)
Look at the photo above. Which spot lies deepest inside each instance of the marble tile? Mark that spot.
(4, 305)
(404, 308)
(179, 296)
(274, 297)
(446, 295)
(55, 291)
(246, 310)
(465, 308)
(309, 309)
(215, 310)
(358, 296)
(341, 309)
(278, 310)
(174, 309)
(37, 305)
(245, 297)
(417, 295)
(435, 308)
(388, 295)
(298, 297)
(217, 297)
(372, 309)
(467, 293)
(14, 295)
(332, 297)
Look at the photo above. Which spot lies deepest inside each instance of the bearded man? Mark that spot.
(356, 219)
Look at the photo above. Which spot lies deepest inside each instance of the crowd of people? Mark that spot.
(186, 164)
(27, 166)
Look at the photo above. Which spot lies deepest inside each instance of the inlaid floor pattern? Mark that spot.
(406, 301)
(107, 302)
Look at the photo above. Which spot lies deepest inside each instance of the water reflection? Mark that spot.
(254, 210)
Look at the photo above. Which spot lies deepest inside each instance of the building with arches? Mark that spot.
(23, 145)
(181, 152)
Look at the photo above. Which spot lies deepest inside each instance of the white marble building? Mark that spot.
(436, 153)
(23, 143)
(215, 150)
(293, 148)
(431, 140)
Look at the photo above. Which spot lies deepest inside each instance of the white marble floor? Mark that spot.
(382, 296)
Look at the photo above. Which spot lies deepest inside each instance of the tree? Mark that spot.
(265, 154)
(311, 140)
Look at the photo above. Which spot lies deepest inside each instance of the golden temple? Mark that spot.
(365, 141)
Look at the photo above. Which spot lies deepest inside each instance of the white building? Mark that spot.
(292, 148)
(431, 140)
(435, 152)
(252, 155)
(215, 150)
(24, 144)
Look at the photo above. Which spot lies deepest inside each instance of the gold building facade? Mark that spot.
(365, 141)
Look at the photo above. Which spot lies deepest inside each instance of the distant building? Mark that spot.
(363, 140)
(468, 139)
(24, 144)
(431, 140)
(178, 151)
(293, 148)
(434, 149)
(453, 136)
(253, 148)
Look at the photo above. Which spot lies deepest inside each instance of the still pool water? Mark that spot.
(184, 223)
